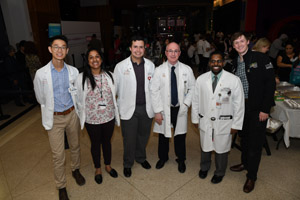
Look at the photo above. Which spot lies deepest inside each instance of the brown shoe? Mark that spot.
(237, 168)
(78, 177)
(249, 185)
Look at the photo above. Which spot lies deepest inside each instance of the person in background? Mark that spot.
(32, 60)
(55, 91)
(262, 45)
(171, 105)
(132, 81)
(95, 43)
(257, 76)
(285, 62)
(277, 46)
(218, 108)
(295, 72)
(15, 74)
(97, 108)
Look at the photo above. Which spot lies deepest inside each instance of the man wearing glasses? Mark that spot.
(218, 108)
(171, 94)
(55, 91)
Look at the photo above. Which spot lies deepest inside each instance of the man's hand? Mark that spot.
(233, 131)
(263, 116)
(158, 118)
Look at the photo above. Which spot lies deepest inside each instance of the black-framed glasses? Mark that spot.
(56, 48)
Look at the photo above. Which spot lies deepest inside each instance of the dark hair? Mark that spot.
(87, 72)
(9, 48)
(289, 43)
(217, 53)
(22, 43)
(135, 38)
(58, 37)
(30, 48)
(236, 35)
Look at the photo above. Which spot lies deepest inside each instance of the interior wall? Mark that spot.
(41, 14)
(17, 21)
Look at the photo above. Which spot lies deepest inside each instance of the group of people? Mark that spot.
(222, 103)
(285, 56)
(19, 70)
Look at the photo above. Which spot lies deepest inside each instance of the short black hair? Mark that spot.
(136, 38)
(217, 53)
(22, 43)
(58, 37)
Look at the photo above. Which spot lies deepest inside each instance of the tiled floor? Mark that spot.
(26, 171)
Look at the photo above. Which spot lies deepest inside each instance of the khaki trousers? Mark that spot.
(70, 123)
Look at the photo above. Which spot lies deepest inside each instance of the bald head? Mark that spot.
(172, 52)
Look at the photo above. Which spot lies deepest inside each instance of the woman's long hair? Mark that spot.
(87, 72)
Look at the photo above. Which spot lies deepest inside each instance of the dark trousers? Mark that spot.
(200, 68)
(100, 134)
(179, 141)
(252, 140)
(136, 132)
(220, 161)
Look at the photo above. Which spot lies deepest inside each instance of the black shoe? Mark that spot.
(160, 164)
(127, 172)
(78, 177)
(146, 165)
(216, 179)
(98, 178)
(181, 166)
(113, 173)
(63, 195)
(202, 174)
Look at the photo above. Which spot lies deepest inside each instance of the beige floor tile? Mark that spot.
(40, 174)
(111, 188)
(19, 163)
(4, 190)
(44, 192)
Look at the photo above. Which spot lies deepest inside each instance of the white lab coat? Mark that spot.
(125, 82)
(161, 97)
(43, 89)
(228, 92)
(81, 97)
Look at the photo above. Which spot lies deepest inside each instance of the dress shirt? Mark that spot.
(60, 82)
(140, 82)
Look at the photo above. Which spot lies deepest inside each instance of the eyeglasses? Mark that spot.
(55, 48)
(216, 61)
(173, 51)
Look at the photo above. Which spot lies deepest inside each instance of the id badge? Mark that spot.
(225, 100)
(102, 106)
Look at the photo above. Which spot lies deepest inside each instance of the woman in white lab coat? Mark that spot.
(97, 109)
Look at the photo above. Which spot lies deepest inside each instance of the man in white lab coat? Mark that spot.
(171, 94)
(55, 91)
(218, 108)
(132, 80)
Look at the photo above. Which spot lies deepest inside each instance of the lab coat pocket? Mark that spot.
(182, 110)
(204, 124)
(47, 117)
(224, 126)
